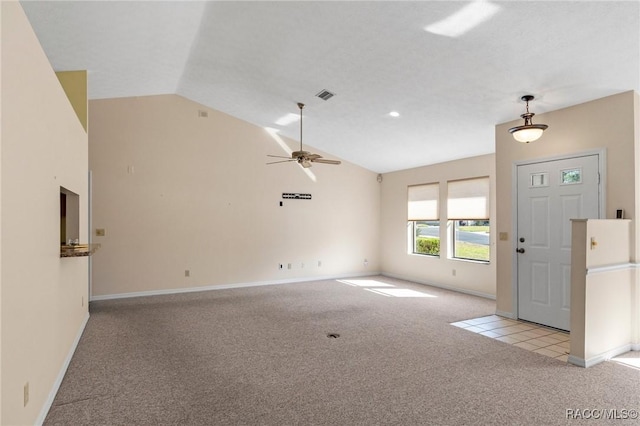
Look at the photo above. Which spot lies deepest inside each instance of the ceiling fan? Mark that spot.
(304, 158)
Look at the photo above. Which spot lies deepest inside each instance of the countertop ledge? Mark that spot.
(79, 250)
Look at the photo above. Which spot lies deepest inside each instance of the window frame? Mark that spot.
(423, 205)
(413, 229)
(455, 224)
(468, 200)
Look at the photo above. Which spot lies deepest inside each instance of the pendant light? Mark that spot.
(529, 132)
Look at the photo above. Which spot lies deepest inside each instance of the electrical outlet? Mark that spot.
(453, 272)
(319, 263)
(366, 262)
(302, 265)
(26, 394)
(187, 273)
(288, 266)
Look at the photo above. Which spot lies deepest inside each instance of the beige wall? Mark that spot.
(602, 280)
(606, 123)
(43, 297)
(472, 277)
(174, 192)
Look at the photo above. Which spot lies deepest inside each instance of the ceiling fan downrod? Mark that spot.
(300, 105)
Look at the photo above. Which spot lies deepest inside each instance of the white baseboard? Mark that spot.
(226, 286)
(635, 346)
(586, 363)
(506, 314)
(445, 287)
(65, 365)
(580, 362)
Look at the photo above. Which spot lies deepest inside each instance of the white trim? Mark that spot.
(226, 286)
(90, 236)
(610, 268)
(602, 200)
(445, 287)
(514, 239)
(63, 370)
(635, 346)
(506, 314)
(586, 363)
(580, 362)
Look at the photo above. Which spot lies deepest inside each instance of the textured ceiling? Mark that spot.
(255, 60)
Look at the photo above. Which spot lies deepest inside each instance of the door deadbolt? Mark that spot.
(522, 239)
(520, 250)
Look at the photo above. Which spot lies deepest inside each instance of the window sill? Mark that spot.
(479, 262)
(433, 256)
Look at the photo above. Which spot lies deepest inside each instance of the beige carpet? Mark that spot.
(261, 355)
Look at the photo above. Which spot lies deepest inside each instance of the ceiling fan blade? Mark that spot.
(277, 156)
(283, 161)
(325, 161)
(304, 158)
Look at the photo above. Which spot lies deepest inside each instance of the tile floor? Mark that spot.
(533, 337)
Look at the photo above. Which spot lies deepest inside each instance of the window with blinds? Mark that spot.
(423, 218)
(468, 207)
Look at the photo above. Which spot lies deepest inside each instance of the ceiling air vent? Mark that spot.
(325, 95)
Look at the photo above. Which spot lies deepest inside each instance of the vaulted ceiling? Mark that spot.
(256, 60)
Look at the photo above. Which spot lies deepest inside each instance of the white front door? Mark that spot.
(550, 194)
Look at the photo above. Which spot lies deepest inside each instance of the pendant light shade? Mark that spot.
(528, 132)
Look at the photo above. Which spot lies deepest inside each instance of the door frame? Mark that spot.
(602, 187)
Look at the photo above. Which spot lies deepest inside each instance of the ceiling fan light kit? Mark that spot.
(304, 158)
(528, 132)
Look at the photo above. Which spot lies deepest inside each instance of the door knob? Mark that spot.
(520, 250)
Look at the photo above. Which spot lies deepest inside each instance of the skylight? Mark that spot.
(288, 119)
(465, 19)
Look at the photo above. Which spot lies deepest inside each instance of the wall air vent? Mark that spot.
(325, 95)
(296, 196)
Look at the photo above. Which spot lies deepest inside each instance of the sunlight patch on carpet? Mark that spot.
(383, 289)
(398, 292)
(365, 283)
(628, 362)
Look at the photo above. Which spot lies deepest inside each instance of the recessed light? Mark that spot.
(394, 114)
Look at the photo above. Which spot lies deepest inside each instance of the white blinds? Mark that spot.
(423, 202)
(468, 199)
